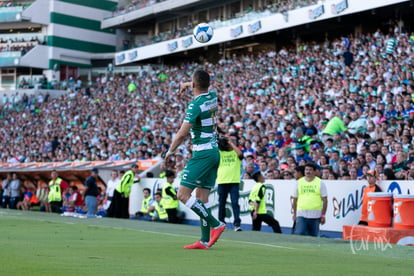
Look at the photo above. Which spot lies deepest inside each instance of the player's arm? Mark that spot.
(179, 138)
(184, 87)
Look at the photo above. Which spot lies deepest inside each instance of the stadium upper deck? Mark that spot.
(235, 23)
(65, 39)
(68, 35)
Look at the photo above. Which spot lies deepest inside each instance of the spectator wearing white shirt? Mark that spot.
(110, 188)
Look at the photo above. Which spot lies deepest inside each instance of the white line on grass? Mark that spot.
(245, 242)
(153, 232)
(268, 245)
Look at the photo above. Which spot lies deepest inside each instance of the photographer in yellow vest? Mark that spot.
(310, 200)
(169, 197)
(228, 179)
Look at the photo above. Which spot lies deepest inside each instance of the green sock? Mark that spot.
(205, 230)
(204, 213)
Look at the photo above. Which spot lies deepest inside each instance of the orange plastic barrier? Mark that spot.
(404, 211)
(379, 209)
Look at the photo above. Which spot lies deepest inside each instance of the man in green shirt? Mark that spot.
(200, 172)
(335, 125)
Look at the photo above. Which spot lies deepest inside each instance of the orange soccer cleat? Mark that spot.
(216, 233)
(197, 245)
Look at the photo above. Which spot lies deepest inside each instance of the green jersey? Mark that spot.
(390, 46)
(334, 125)
(201, 113)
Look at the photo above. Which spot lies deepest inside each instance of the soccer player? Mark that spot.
(201, 170)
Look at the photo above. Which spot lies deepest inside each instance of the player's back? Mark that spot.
(202, 114)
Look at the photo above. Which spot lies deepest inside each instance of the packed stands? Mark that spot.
(285, 106)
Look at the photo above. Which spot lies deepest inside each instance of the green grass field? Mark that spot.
(34, 243)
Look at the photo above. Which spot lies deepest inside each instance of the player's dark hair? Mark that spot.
(201, 79)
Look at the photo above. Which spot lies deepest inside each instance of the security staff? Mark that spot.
(169, 197)
(228, 179)
(56, 187)
(119, 207)
(144, 213)
(310, 201)
(257, 202)
(159, 208)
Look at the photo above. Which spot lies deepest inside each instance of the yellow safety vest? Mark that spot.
(162, 213)
(124, 187)
(309, 194)
(254, 197)
(145, 205)
(229, 170)
(55, 194)
(168, 201)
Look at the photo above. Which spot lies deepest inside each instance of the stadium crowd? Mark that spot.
(249, 13)
(133, 5)
(346, 104)
(9, 4)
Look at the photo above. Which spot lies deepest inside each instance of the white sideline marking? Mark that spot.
(268, 245)
(2, 213)
(253, 243)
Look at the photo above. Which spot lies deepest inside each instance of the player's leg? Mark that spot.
(201, 173)
(197, 203)
(184, 195)
(216, 226)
